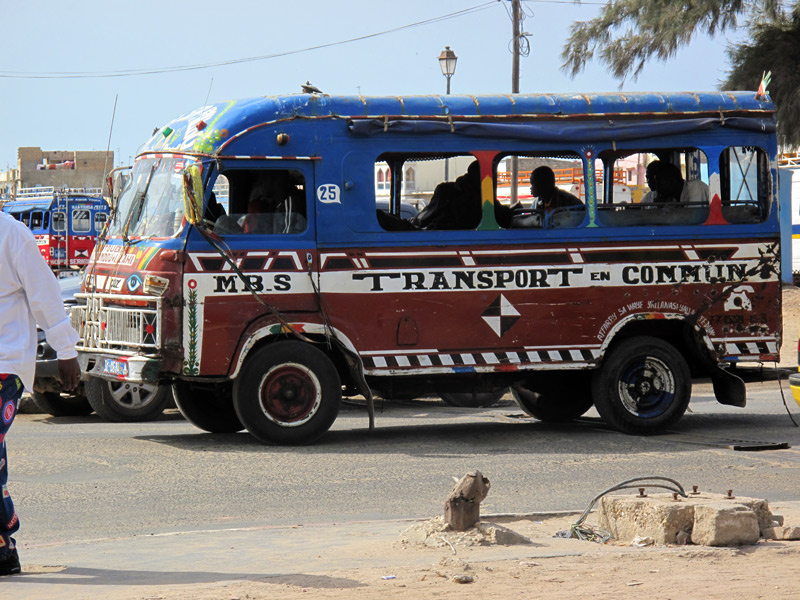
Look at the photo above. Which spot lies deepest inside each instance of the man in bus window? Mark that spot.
(548, 196)
(665, 183)
(275, 205)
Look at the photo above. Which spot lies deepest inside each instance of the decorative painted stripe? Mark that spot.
(484, 360)
(755, 348)
(256, 157)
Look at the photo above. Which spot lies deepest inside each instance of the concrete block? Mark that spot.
(781, 533)
(707, 519)
(724, 524)
(657, 517)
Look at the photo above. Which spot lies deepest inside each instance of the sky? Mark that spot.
(108, 37)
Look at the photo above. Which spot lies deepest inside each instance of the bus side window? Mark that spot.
(81, 221)
(100, 219)
(655, 187)
(36, 219)
(550, 191)
(59, 221)
(745, 183)
(264, 202)
(421, 191)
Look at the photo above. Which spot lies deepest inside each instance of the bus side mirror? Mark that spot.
(193, 194)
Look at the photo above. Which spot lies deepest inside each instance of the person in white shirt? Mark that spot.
(29, 295)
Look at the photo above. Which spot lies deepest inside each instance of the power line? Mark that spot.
(195, 67)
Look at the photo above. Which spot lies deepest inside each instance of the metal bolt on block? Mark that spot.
(730, 495)
(694, 490)
(641, 493)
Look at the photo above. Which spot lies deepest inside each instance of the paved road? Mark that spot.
(83, 479)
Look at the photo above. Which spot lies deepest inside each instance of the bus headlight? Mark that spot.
(155, 285)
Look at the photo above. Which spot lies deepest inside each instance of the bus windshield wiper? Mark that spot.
(136, 205)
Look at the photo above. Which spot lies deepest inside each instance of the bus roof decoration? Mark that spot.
(761, 94)
(233, 127)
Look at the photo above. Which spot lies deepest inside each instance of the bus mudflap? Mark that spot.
(729, 389)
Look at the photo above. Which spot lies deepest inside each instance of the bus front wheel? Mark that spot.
(287, 393)
(643, 387)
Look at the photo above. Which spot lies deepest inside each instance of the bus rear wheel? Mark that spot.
(207, 407)
(555, 397)
(643, 387)
(287, 393)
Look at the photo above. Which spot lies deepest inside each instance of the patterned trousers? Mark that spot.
(10, 393)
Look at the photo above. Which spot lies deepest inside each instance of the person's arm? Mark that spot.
(44, 299)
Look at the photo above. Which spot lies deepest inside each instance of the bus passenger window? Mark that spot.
(36, 220)
(264, 202)
(653, 187)
(745, 184)
(81, 221)
(549, 191)
(427, 192)
(59, 221)
(100, 221)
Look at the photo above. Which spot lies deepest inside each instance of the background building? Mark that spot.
(75, 169)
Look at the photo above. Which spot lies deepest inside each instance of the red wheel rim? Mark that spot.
(290, 394)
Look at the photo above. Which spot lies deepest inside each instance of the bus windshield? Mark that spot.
(151, 205)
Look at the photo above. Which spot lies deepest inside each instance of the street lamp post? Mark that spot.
(447, 61)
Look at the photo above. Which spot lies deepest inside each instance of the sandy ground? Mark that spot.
(546, 569)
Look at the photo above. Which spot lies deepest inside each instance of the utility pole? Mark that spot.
(515, 8)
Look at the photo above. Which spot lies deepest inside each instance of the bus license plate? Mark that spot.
(115, 367)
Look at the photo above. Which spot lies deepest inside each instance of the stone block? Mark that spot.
(657, 517)
(782, 533)
(724, 524)
(707, 519)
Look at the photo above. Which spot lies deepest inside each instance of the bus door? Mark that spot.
(258, 260)
(59, 232)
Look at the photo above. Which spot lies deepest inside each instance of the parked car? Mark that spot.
(111, 400)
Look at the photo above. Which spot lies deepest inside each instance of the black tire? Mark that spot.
(287, 393)
(473, 399)
(124, 402)
(643, 386)
(208, 407)
(555, 397)
(62, 405)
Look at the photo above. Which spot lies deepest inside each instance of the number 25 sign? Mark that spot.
(329, 193)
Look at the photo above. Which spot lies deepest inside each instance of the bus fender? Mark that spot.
(344, 346)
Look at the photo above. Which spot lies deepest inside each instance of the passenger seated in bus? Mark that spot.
(274, 206)
(665, 183)
(695, 191)
(455, 204)
(548, 196)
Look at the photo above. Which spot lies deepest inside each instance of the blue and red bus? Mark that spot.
(264, 316)
(66, 222)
